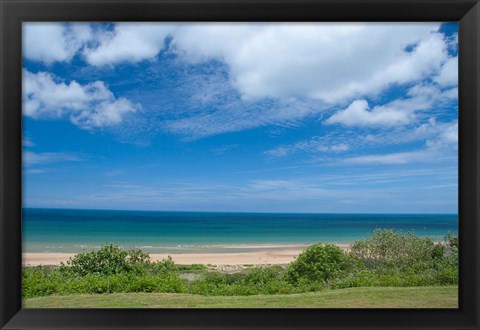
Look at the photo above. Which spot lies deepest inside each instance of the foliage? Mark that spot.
(108, 260)
(452, 247)
(260, 280)
(37, 283)
(318, 263)
(385, 259)
(388, 249)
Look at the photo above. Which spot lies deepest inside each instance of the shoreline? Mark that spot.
(271, 255)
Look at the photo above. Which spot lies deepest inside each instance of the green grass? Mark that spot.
(374, 297)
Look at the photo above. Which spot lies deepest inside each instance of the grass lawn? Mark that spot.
(375, 297)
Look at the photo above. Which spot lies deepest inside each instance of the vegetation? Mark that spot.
(109, 260)
(320, 262)
(386, 259)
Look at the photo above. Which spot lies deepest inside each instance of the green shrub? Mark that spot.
(452, 246)
(393, 249)
(36, 282)
(194, 268)
(260, 280)
(319, 262)
(165, 265)
(108, 260)
(387, 258)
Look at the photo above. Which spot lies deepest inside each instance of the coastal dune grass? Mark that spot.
(374, 297)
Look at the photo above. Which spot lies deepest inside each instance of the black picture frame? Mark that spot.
(14, 12)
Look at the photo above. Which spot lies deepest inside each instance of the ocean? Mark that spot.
(66, 230)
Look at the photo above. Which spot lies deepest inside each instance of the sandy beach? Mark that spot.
(280, 255)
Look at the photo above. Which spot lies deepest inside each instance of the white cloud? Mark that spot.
(448, 75)
(295, 70)
(315, 145)
(35, 171)
(447, 139)
(41, 158)
(391, 158)
(87, 106)
(236, 115)
(441, 142)
(441, 137)
(359, 114)
(114, 173)
(324, 61)
(54, 42)
(398, 112)
(451, 93)
(329, 62)
(27, 142)
(129, 42)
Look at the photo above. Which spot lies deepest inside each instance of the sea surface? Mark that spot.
(66, 230)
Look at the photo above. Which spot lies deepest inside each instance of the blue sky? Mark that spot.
(315, 117)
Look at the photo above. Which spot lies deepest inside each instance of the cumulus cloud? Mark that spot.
(448, 75)
(328, 62)
(447, 139)
(401, 111)
(359, 114)
(87, 106)
(276, 73)
(54, 42)
(323, 61)
(128, 42)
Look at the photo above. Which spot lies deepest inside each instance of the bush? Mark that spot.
(108, 260)
(318, 263)
(387, 258)
(452, 246)
(163, 266)
(387, 249)
(36, 282)
(261, 280)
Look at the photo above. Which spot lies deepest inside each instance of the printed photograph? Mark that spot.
(240, 165)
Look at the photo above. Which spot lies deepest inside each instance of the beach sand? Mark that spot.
(280, 255)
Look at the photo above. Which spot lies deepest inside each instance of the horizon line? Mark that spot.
(247, 212)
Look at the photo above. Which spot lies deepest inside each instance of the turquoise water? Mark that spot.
(62, 230)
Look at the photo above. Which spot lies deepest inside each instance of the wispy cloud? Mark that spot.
(224, 149)
(314, 145)
(40, 158)
(113, 173)
(27, 142)
(440, 140)
(237, 115)
(35, 171)
(391, 158)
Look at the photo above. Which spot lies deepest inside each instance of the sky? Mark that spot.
(264, 117)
